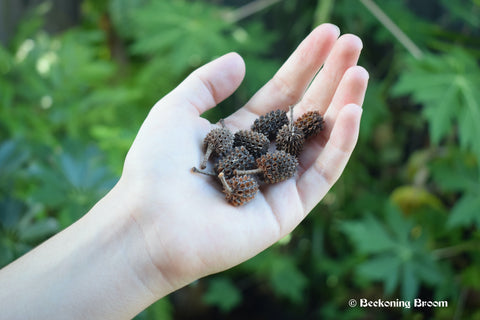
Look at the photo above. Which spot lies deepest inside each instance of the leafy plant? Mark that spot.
(223, 294)
(395, 257)
(446, 86)
(71, 103)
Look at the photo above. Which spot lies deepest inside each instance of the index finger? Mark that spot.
(290, 82)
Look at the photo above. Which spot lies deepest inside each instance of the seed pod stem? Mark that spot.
(252, 171)
(203, 165)
(221, 176)
(194, 169)
(290, 125)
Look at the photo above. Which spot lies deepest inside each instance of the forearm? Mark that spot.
(97, 268)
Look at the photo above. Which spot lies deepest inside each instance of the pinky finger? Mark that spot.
(315, 182)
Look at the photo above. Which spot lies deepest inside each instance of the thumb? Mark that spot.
(210, 84)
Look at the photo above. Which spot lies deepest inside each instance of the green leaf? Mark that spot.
(162, 309)
(223, 294)
(12, 157)
(466, 211)
(410, 283)
(38, 230)
(471, 277)
(456, 171)
(368, 235)
(385, 267)
(426, 268)
(287, 280)
(11, 210)
(447, 87)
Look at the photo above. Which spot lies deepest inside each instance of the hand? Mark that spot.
(190, 230)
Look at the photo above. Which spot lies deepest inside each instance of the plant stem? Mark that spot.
(207, 173)
(203, 165)
(248, 10)
(291, 119)
(451, 251)
(227, 188)
(393, 28)
(322, 11)
(460, 304)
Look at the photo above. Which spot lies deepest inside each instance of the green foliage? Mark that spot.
(281, 272)
(401, 223)
(394, 256)
(77, 174)
(223, 294)
(446, 85)
(21, 224)
(162, 309)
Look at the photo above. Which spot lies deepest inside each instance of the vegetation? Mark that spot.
(402, 222)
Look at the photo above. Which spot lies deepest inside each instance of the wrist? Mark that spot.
(98, 268)
(122, 240)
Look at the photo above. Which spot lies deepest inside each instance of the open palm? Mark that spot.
(190, 229)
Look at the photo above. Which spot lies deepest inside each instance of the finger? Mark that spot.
(289, 83)
(344, 55)
(351, 89)
(208, 85)
(318, 178)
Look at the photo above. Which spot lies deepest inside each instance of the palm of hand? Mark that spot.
(190, 229)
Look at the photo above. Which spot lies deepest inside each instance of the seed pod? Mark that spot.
(311, 123)
(255, 142)
(238, 159)
(290, 138)
(218, 141)
(274, 167)
(270, 123)
(239, 189)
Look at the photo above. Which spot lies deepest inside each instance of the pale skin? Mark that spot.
(162, 226)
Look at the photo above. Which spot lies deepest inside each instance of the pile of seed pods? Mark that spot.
(266, 153)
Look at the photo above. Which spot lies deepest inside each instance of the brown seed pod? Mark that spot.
(219, 141)
(238, 159)
(270, 123)
(255, 142)
(239, 189)
(290, 138)
(274, 167)
(311, 123)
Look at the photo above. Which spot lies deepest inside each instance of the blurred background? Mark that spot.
(77, 78)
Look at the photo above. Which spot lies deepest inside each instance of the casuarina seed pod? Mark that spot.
(218, 141)
(290, 138)
(238, 159)
(274, 167)
(255, 142)
(239, 189)
(311, 123)
(270, 123)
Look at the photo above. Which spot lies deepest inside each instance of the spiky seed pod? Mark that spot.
(311, 123)
(219, 141)
(239, 189)
(290, 139)
(270, 123)
(255, 142)
(274, 167)
(277, 166)
(238, 159)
